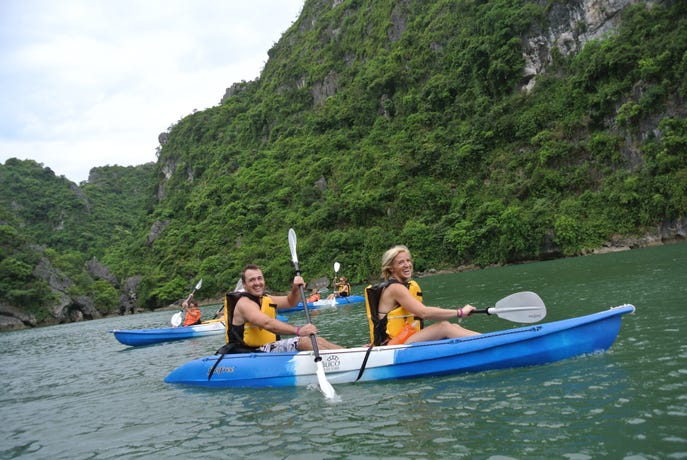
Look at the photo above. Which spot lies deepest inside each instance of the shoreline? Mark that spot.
(618, 244)
(629, 245)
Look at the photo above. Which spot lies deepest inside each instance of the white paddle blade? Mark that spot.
(325, 387)
(176, 319)
(337, 266)
(239, 286)
(292, 246)
(199, 284)
(521, 307)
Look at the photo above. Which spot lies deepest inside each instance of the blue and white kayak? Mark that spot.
(324, 303)
(521, 346)
(138, 337)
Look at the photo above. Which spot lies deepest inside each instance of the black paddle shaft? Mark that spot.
(313, 339)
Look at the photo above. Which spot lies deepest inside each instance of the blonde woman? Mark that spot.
(396, 307)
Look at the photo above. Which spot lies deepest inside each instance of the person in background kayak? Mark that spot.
(253, 322)
(314, 296)
(399, 308)
(344, 289)
(192, 313)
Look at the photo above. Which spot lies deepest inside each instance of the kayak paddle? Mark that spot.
(239, 286)
(176, 317)
(325, 387)
(521, 307)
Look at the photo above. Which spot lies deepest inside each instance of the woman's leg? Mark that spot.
(441, 330)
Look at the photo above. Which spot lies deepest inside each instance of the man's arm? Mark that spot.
(293, 297)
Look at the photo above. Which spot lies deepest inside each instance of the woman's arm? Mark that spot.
(402, 296)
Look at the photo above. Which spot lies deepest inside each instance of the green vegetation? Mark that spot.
(375, 123)
(50, 222)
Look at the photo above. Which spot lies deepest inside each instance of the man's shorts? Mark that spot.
(281, 345)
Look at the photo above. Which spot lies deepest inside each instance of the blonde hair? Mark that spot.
(388, 259)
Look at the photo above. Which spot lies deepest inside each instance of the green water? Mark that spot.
(73, 392)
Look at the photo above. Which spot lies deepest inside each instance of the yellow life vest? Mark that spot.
(253, 336)
(344, 290)
(383, 329)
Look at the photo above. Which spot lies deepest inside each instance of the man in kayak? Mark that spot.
(252, 318)
(193, 313)
(395, 306)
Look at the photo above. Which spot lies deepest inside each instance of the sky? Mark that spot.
(86, 83)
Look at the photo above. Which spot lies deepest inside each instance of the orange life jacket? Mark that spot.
(192, 317)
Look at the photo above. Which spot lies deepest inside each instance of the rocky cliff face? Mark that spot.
(65, 306)
(12, 317)
(568, 27)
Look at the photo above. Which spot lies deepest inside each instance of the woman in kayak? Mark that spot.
(253, 322)
(395, 306)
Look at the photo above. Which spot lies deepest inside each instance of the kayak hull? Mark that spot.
(523, 346)
(324, 303)
(138, 337)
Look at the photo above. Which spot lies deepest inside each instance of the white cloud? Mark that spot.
(87, 83)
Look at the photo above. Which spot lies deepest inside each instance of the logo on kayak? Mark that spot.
(331, 363)
(223, 370)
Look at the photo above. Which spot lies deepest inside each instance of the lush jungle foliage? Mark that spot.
(376, 123)
(47, 217)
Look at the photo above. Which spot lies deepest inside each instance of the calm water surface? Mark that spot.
(73, 392)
